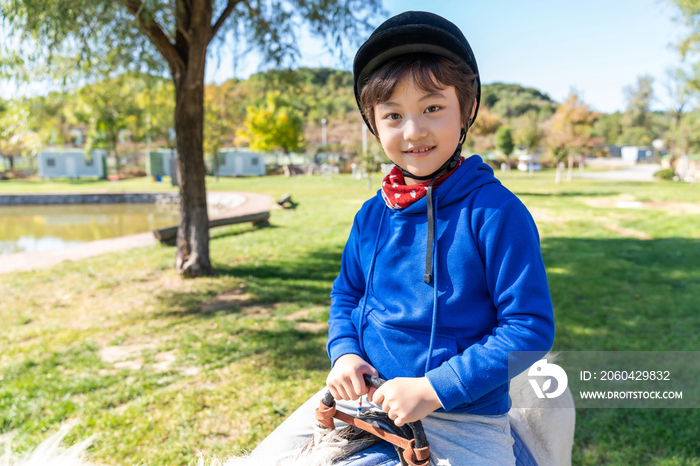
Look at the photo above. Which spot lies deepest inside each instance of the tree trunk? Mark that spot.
(12, 162)
(580, 162)
(570, 172)
(557, 177)
(193, 233)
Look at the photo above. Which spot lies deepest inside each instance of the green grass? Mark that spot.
(162, 367)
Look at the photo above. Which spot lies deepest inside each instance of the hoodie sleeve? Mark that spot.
(509, 246)
(348, 290)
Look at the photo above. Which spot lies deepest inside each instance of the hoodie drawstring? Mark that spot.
(370, 276)
(428, 278)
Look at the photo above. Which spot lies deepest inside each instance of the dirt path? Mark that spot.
(640, 172)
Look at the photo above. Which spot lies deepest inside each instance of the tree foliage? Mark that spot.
(571, 128)
(222, 116)
(16, 136)
(513, 100)
(274, 125)
(504, 140)
(88, 38)
(529, 133)
(637, 119)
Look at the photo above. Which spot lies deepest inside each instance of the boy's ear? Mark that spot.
(473, 110)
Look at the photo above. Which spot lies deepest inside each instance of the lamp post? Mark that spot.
(323, 132)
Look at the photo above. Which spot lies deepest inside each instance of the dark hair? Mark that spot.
(429, 72)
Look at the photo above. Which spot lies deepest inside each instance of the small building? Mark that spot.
(636, 154)
(524, 162)
(158, 162)
(240, 162)
(71, 163)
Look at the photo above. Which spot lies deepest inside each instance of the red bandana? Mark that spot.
(398, 195)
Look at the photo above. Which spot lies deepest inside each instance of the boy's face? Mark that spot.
(419, 130)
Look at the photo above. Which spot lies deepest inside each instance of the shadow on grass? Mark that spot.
(305, 279)
(231, 231)
(628, 295)
(624, 294)
(283, 349)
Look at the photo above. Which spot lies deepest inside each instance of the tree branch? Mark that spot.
(224, 16)
(155, 33)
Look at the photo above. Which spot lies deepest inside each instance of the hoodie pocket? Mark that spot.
(397, 351)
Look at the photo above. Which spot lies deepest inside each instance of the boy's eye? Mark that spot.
(393, 116)
(432, 108)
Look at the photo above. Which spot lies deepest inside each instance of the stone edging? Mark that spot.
(90, 198)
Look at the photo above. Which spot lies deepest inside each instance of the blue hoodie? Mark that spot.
(489, 293)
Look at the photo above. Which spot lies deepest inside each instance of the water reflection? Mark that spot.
(42, 228)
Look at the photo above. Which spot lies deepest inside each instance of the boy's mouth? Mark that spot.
(419, 151)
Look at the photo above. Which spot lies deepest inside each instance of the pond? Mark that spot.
(30, 228)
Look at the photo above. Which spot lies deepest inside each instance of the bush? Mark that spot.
(665, 174)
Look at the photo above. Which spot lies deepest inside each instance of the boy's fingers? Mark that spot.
(370, 393)
(358, 384)
(378, 396)
(349, 391)
(334, 392)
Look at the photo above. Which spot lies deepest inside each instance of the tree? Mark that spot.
(529, 134)
(16, 137)
(480, 135)
(609, 127)
(637, 119)
(504, 142)
(86, 38)
(681, 92)
(274, 125)
(371, 160)
(571, 132)
(221, 117)
(109, 108)
(155, 103)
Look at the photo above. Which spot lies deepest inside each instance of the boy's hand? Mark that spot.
(406, 399)
(345, 380)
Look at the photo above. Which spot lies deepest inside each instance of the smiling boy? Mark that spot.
(442, 274)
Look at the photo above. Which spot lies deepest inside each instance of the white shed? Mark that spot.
(158, 162)
(71, 163)
(635, 154)
(240, 162)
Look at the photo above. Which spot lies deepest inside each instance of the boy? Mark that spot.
(442, 274)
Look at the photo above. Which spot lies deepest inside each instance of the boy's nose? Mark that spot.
(413, 130)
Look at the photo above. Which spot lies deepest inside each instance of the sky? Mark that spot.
(596, 47)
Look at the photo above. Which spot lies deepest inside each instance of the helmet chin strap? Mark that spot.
(449, 163)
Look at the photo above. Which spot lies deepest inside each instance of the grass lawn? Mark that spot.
(162, 367)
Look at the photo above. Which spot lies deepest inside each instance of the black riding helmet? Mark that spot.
(413, 32)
